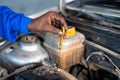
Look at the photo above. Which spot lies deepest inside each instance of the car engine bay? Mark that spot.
(92, 52)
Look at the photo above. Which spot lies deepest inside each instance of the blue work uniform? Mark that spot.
(12, 24)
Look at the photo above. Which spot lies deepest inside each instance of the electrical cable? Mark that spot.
(116, 67)
(89, 56)
(117, 70)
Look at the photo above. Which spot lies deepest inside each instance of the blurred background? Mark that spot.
(29, 7)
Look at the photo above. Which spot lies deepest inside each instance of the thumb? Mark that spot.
(55, 30)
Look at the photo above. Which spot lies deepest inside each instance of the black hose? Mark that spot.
(17, 71)
(90, 72)
(108, 51)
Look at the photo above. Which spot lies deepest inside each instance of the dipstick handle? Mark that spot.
(61, 37)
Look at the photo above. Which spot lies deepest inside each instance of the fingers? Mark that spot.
(58, 18)
(54, 30)
(48, 22)
(62, 20)
(56, 21)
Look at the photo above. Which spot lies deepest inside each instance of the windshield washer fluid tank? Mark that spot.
(71, 52)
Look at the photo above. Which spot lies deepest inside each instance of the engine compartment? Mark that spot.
(30, 52)
(96, 20)
(92, 54)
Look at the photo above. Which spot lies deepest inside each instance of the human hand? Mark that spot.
(48, 22)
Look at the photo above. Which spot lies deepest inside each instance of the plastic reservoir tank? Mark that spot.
(72, 48)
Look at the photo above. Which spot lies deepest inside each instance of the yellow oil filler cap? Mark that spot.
(71, 32)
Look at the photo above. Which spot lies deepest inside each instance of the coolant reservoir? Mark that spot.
(71, 51)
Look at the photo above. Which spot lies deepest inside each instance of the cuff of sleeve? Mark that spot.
(24, 26)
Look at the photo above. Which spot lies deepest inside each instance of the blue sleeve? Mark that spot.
(12, 24)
